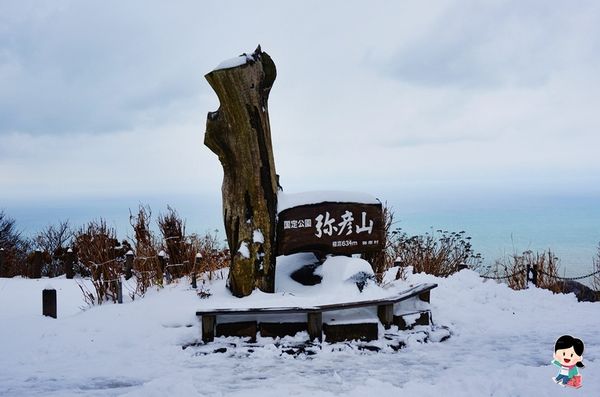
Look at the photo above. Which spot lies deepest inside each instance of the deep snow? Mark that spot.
(501, 345)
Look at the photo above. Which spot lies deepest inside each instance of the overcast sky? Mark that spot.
(107, 99)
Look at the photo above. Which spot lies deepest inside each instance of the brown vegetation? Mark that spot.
(13, 248)
(440, 253)
(54, 241)
(545, 264)
(102, 256)
(146, 265)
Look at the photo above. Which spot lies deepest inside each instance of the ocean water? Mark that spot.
(570, 227)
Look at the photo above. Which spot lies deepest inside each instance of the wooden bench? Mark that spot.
(385, 311)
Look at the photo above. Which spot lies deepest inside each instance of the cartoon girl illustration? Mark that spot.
(568, 352)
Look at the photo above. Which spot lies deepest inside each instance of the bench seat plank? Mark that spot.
(314, 314)
(407, 294)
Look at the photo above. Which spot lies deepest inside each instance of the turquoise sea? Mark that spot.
(570, 226)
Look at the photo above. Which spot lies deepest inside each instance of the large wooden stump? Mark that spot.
(239, 133)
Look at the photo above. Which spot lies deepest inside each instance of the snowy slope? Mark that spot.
(501, 346)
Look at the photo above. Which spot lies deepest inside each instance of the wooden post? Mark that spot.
(197, 262)
(119, 292)
(1, 261)
(208, 328)
(69, 262)
(315, 325)
(128, 264)
(49, 303)
(240, 134)
(162, 262)
(36, 271)
(386, 314)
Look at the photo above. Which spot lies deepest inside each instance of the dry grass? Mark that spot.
(440, 253)
(545, 263)
(382, 261)
(102, 256)
(180, 252)
(146, 265)
(185, 254)
(214, 255)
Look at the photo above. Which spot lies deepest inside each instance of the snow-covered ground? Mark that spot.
(501, 345)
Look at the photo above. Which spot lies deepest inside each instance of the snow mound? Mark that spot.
(501, 345)
(235, 62)
(338, 270)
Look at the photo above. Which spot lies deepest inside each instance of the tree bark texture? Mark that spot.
(240, 134)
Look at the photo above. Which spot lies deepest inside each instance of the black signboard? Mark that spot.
(330, 228)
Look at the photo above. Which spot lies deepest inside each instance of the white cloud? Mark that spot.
(109, 97)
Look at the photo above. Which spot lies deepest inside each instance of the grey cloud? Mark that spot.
(424, 140)
(82, 68)
(483, 45)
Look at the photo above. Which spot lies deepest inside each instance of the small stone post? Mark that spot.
(69, 262)
(161, 261)
(119, 292)
(197, 262)
(1, 260)
(36, 271)
(128, 264)
(49, 303)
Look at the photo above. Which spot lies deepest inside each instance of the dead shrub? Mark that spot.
(179, 251)
(515, 266)
(102, 255)
(213, 254)
(54, 241)
(175, 255)
(383, 260)
(440, 254)
(146, 265)
(13, 248)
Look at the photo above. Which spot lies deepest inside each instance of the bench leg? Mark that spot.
(315, 325)
(425, 296)
(208, 328)
(386, 314)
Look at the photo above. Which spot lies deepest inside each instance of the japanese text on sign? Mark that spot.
(325, 224)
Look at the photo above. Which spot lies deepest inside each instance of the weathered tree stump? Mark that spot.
(240, 134)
